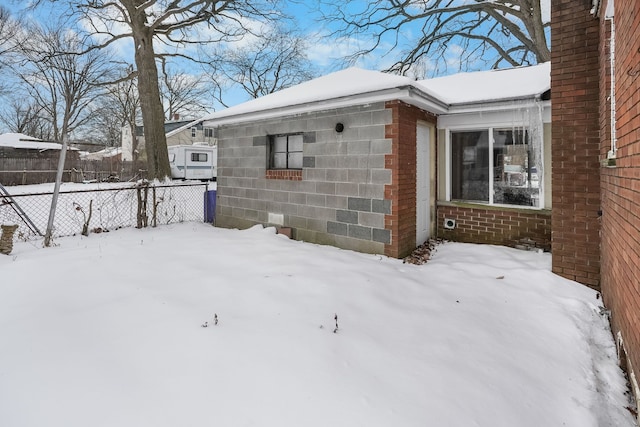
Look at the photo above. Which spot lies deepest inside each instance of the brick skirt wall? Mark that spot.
(496, 226)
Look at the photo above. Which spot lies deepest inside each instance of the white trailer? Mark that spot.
(193, 162)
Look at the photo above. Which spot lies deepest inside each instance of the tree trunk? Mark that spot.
(150, 104)
(536, 32)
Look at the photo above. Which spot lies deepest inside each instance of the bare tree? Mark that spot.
(119, 107)
(496, 31)
(173, 23)
(275, 59)
(23, 115)
(61, 82)
(183, 95)
(9, 29)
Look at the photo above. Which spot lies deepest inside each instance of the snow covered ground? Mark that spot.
(106, 330)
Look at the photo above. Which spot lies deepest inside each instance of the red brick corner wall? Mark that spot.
(575, 142)
(621, 183)
(402, 190)
(496, 226)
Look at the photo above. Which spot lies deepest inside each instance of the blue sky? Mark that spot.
(326, 53)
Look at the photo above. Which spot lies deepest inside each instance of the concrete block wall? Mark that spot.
(338, 198)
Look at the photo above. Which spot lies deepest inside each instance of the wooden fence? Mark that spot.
(24, 170)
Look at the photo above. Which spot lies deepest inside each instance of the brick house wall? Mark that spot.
(620, 182)
(496, 225)
(575, 242)
(401, 221)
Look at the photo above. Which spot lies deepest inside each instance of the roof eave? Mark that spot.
(497, 105)
(407, 94)
(184, 127)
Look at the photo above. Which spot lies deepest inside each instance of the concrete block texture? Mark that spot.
(337, 228)
(380, 176)
(338, 202)
(349, 217)
(374, 191)
(359, 232)
(359, 204)
(381, 235)
(326, 188)
(381, 206)
(327, 206)
(370, 219)
(347, 189)
(309, 162)
(337, 175)
(359, 147)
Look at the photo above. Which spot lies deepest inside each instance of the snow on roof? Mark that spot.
(105, 153)
(356, 86)
(482, 86)
(340, 84)
(20, 140)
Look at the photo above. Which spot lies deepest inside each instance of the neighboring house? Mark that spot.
(28, 160)
(379, 163)
(595, 75)
(178, 132)
(109, 153)
(18, 145)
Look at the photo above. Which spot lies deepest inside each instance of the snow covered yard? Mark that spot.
(106, 330)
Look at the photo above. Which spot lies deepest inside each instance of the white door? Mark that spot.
(423, 185)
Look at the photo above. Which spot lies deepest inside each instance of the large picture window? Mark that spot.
(285, 152)
(494, 166)
(470, 166)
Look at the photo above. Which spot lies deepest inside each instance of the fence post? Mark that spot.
(154, 222)
(56, 191)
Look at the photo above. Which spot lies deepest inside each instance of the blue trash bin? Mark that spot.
(209, 206)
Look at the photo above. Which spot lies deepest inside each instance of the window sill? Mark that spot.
(286, 174)
(479, 205)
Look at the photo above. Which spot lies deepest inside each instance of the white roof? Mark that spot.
(355, 86)
(343, 83)
(20, 140)
(494, 85)
(352, 86)
(102, 154)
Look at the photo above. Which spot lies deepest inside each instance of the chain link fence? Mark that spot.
(102, 210)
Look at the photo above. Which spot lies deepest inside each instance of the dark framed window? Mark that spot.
(194, 132)
(494, 166)
(198, 157)
(208, 133)
(515, 178)
(470, 166)
(285, 151)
